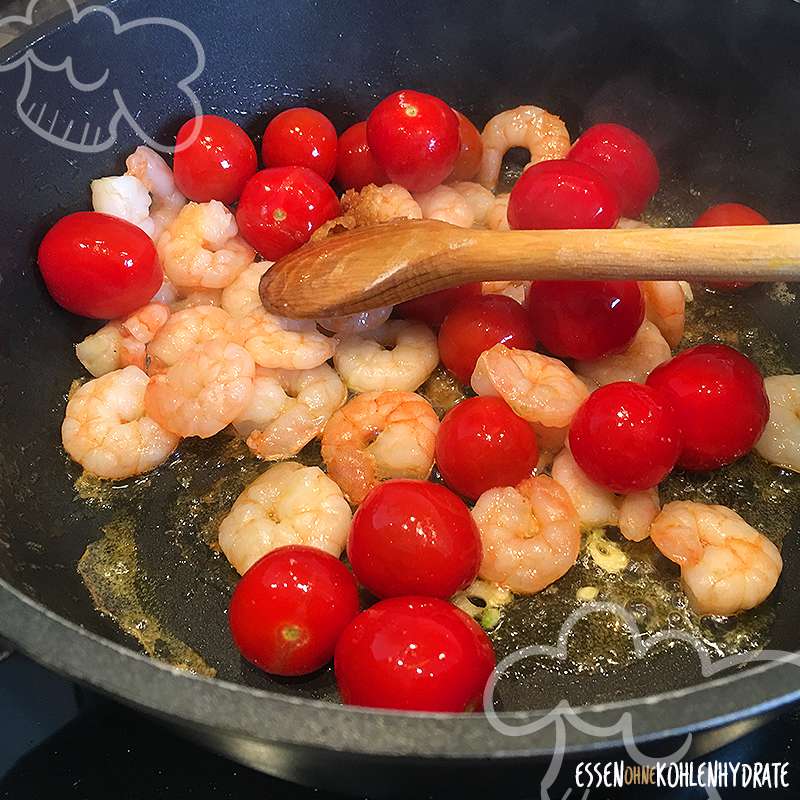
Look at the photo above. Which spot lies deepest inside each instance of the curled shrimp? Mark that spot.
(376, 436)
(201, 248)
(154, 173)
(241, 297)
(203, 392)
(665, 303)
(100, 352)
(124, 196)
(543, 134)
(374, 204)
(780, 442)
(191, 298)
(288, 504)
(446, 204)
(138, 330)
(726, 565)
(184, 330)
(107, 430)
(289, 409)
(357, 323)
(480, 200)
(536, 387)
(530, 534)
(497, 215)
(399, 355)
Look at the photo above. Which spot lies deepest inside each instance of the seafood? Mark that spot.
(100, 352)
(184, 330)
(287, 504)
(780, 442)
(374, 204)
(241, 297)
(124, 196)
(154, 173)
(480, 200)
(138, 330)
(516, 290)
(665, 304)
(446, 204)
(376, 436)
(497, 215)
(190, 298)
(107, 430)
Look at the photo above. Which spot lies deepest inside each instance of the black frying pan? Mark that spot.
(713, 87)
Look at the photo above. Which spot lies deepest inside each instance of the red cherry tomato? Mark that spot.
(99, 266)
(719, 397)
(414, 137)
(281, 207)
(301, 137)
(730, 214)
(562, 194)
(624, 159)
(626, 437)
(434, 307)
(414, 654)
(213, 161)
(414, 537)
(470, 152)
(585, 319)
(289, 609)
(476, 325)
(356, 166)
(481, 444)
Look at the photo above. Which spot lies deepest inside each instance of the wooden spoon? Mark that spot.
(386, 264)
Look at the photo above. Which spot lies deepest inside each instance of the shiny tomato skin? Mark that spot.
(356, 167)
(434, 307)
(100, 266)
(719, 397)
(476, 325)
(470, 152)
(415, 138)
(624, 159)
(482, 444)
(585, 319)
(626, 437)
(281, 207)
(289, 609)
(414, 654)
(301, 137)
(562, 194)
(215, 162)
(414, 537)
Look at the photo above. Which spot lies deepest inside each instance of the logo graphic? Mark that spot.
(67, 123)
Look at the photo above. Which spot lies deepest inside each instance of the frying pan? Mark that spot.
(712, 86)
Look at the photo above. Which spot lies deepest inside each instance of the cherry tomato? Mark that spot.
(730, 214)
(289, 609)
(624, 159)
(414, 537)
(281, 207)
(356, 166)
(214, 161)
(414, 654)
(719, 397)
(626, 437)
(585, 319)
(481, 444)
(562, 194)
(470, 152)
(301, 137)
(414, 137)
(476, 325)
(99, 266)
(434, 307)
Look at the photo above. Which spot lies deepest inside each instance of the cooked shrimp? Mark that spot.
(167, 294)
(647, 350)
(191, 298)
(726, 565)
(357, 323)
(780, 442)
(203, 392)
(376, 436)
(154, 173)
(399, 355)
(288, 504)
(480, 200)
(538, 388)
(107, 430)
(124, 196)
(100, 352)
(184, 330)
(289, 409)
(446, 204)
(665, 302)
(530, 534)
(497, 215)
(241, 297)
(201, 248)
(137, 330)
(374, 204)
(516, 290)
(544, 136)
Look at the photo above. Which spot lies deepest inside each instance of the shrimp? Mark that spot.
(201, 248)
(399, 355)
(376, 436)
(780, 442)
(184, 330)
(726, 565)
(544, 136)
(647, 350)
(191, 298)
(497, 215)
(138, 330)
(100, 351)
(537, 388)
(665, 302)
(357, 323)
(374, 204)
(516, 290)
(480, 200)
(287, 504)
(154, 173)
(203, 392)
(530, 534)
(126, 197)
(107, 430)
(446, 204)
(241, 297)
(289, 409)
